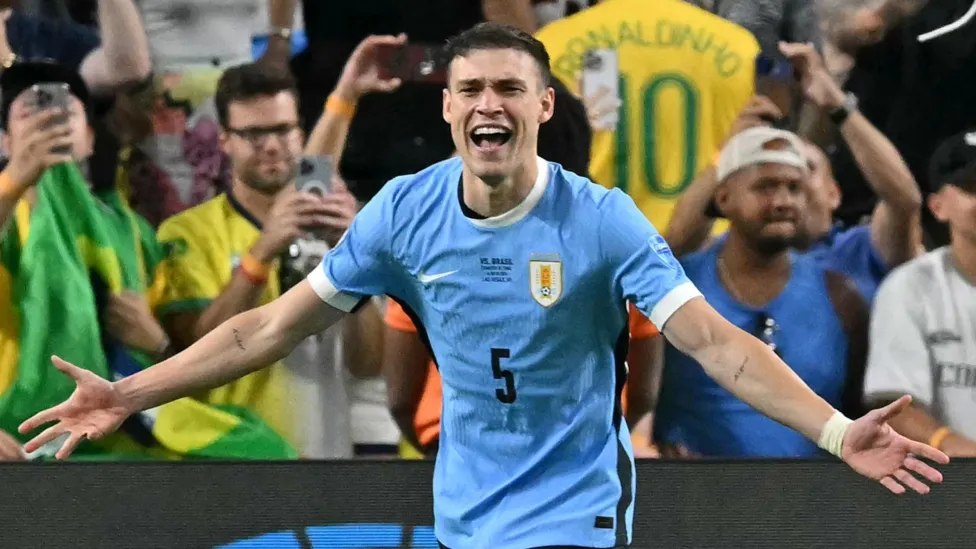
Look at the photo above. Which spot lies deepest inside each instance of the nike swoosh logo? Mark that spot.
(424, 278)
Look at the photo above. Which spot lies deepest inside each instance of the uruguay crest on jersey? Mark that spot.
(546, 278)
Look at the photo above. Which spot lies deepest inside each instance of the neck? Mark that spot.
(256, 203)
(491, 201)
(964, 257)
(752, 277)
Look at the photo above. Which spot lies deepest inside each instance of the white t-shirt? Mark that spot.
(923, 340)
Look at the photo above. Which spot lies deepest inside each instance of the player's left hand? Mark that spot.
(873, 449)
(816, 81)
(361, 74)
(339, 209)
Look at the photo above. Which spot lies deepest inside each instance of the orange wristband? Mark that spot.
(337, 105)
(938, 437)
(255, 271)
(7, 187)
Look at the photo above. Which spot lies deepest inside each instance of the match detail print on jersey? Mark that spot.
(546, 278)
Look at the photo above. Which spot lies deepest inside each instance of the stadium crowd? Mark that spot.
(831, 212)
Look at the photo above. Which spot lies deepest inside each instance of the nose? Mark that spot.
(783, 198)
(489, 103)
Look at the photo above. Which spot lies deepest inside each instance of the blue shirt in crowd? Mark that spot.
(696, 412)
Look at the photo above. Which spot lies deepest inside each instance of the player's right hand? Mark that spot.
(94, 409)
(33, 153)
(294, 213)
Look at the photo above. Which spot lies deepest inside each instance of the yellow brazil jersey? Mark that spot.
(684, 76)
(203, 246)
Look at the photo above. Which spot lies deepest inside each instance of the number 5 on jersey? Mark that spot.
(506, 395)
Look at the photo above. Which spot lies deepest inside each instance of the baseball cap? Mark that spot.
(954, 163)
(755, 146)
(21, 76)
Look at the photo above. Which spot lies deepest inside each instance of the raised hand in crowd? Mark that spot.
(598, 106)
(129, 319)
(362, 73)
(294, 214)
(341, 207)
(758, 111)
(818, 86)
(10, 449)
(36, 149)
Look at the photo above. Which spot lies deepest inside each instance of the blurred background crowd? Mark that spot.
(812, 163)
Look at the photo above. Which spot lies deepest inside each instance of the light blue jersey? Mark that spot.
(525, 315)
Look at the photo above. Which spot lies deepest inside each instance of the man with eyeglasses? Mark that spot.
(235, 251)
(787, 300)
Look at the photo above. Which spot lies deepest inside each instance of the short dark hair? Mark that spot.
(496, 36)
(251, 81)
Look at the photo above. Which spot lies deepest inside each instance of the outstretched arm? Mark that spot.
(243, 344)
(751, 371)
(247, 342)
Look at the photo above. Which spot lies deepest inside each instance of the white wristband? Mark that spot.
(832, 434)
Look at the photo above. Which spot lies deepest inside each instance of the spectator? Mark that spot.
(918, 94)
(393, 134)
(231, 253)
(811, 317)
(75, 261)
(115, 56)
(675, 109)
(771, 21)
(863, 253)
(922, 325)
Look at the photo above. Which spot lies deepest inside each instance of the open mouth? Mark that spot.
(490, 138)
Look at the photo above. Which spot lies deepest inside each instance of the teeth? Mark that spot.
(490, 131)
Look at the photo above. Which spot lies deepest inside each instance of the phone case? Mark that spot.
(601, 75)
(314, 174)
(414, 63)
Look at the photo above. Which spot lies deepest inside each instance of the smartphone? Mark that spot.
(601, 75)
(775, 80)
(314, 175)
(414, 63)
(52, 95)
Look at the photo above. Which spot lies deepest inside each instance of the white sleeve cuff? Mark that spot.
(672, 302)
(327, 291)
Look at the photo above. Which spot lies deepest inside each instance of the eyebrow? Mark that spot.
(500, 82)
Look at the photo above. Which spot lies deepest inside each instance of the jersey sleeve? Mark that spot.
(397, 318)
(640, 326)
(898, 361)
(361, 264)
(645, 272)
(190, 281)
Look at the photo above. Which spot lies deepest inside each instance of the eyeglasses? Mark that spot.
(258, 136)
(766, 330)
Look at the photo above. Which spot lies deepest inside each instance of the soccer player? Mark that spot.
(519, 273)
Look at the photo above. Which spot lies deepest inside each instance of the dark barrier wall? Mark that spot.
(319, 505)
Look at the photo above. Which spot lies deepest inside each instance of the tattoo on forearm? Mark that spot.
(738, 372)
(238, 340)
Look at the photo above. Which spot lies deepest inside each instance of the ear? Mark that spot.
(225, 142)
(446, 106)
(835, 196)
(548, 105)
(723, 198)
(938, 205)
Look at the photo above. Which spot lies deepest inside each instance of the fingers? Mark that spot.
(796, 50)
(40, 418)
(924, 469)
(387, 85)
(928, 452)
(910, 481)
(68, 368)
(760, 106)
(46, 437)
(895, 408)
(892, 484)
(69, 445)
(385, 40)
